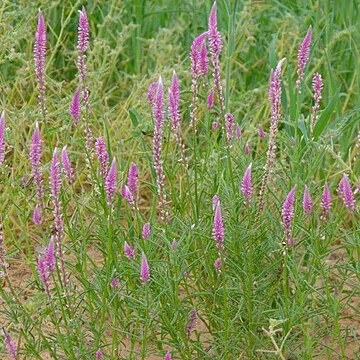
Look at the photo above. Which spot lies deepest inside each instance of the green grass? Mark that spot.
(261, 297)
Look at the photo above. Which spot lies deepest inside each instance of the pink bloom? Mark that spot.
(128, 251)
(102, 155)
(39, 59)
(229, 124)
(218, 227)
(2, 137)
(303, 56)
(98, 355)
(152, 91)
(50, 255)
(44, 275)
(215, 41)
(114, 283)
(238, 131)
(133, 180)
(261, 132)
(218, 265)
(35, 157)
(246, 185)
(145, 269)
(203, 60)
(195, 56)
(210, 99)
(74, 107)
(275, 91)
(83, 32)
(214, 126)
(174, 98)
(192, 322)
(146, 232)
(247, 148)
(11, 346)
(37, 215)
(307, 203)
(110, 182)
(127, 195)
(317, 84)
(325, 201)
(288, 213)
(168, 356)
(66, 166)
(347, 194)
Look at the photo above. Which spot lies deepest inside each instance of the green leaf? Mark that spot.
(135, 117)
(325, 116)
(272, 55)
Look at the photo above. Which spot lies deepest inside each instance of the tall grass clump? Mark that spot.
(175, 189)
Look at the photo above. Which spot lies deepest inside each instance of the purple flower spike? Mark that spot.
(35, 157)
(210, 99)
(191, 323)
(98, 355)
(133, 180)
(145, 269)
(218, 265)
(307, 203)
(218, 231)
(114, 283)
(288, 213)
(102, 155)
(203, 60)
(66, 165)
(127, 195)
(146, 231)
(325, 201)
(168, 356)
(247, 148)
(303, 56)
(229, 124)
(214, 126)
(2, 137)
(238, 131)
(215, 41)
(83, 32)
(37, 215)
(39, 59)
(246, 185)
(275, 91)
(347, 194)
(128, 251)
(195, 56)
(261, 132)
(152, 91)
(44, 274)
(74, 107)
(317, 84)
(110, 182)
(11, 346)
(50, 255)
(174, 99)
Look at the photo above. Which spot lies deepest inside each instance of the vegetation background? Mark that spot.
(132, 42)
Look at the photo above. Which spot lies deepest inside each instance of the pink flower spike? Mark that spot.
(215, 41)
(238, 131)
(215, 201)
(66, 166)
(303, 56)
(83, 32)
(174, 245)
(50, 255)
(128, 251)
(127, 195)
(288, 213)
(210, 99)
(102, 155)
(229, 124)
(110, 182)
(191, 323)
(246, 185)
(35, 157)
(218, 231)
(74, 107)
(203, 60)
(152, 91)
(11, 346)
(174, 100)
(261, 132)
(114, 283)
(168, 356)
(214, 126)
(325, 201)
(98, 355)
(2, 137)
(37, 215)
(145, 269)
(247, 148)
(146, 232)
(307, 203)
(133, 180)
(195, 56)
(317, 84)
(347, 194)
(44, 275)
(218, 265)
(275, 93)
